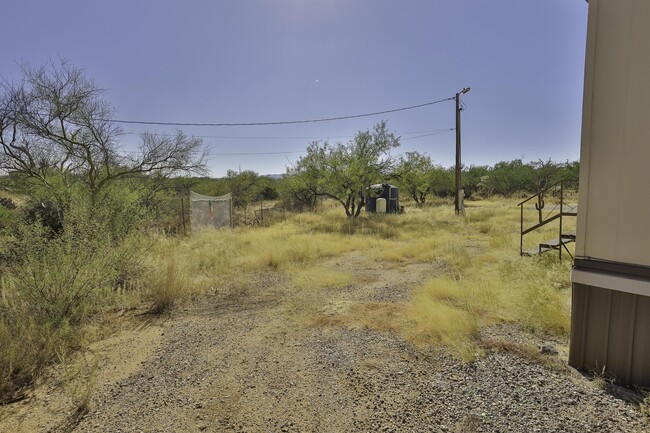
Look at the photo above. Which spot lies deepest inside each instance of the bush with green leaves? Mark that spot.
(56, 280)
(344, 172)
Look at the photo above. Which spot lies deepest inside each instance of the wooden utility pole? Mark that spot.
(458, 198)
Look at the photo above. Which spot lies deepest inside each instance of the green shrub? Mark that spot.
(55, 280)
(8, 217)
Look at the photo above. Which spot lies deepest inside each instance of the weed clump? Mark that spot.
(165, 287)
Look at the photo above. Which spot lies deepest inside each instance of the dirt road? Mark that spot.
(250, 362)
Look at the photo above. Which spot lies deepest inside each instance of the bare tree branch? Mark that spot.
(54, 123)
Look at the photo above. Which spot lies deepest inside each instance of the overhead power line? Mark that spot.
(304, 151)
(436, 132)
(256, 153)
(291, 137)
(442, 131)
(286, 122)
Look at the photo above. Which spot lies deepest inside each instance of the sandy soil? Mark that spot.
(262, 359)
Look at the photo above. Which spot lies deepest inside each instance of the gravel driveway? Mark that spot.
(248, 368)
(243, 363)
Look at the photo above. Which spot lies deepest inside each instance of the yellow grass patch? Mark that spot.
(484, 280)
(320, 277)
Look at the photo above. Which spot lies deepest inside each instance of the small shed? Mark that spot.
(390, 193)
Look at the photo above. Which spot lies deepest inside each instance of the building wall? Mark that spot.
(614, 208)
(610, 317)
(610, 331)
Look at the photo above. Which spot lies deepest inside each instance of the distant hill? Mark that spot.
(273, 176)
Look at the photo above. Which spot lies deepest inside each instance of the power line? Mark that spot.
(209, 154)
(290, 137)
(244, 137)
(255, 153)
(304, 151)
(440, 131)
(286, 122)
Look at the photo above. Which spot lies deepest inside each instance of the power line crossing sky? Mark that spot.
(276, 60)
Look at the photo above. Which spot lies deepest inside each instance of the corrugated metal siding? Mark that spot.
(610, 332)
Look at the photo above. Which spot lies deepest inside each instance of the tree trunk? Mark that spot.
(360, 205)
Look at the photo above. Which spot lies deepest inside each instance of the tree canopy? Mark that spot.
(343, 172)
(418, 177)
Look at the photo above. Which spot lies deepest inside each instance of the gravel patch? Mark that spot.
(248, 360)
(252, 370)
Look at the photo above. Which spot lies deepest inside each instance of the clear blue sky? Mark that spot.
(273, 60)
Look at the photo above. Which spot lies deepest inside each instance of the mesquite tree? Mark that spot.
(345, 171)
(56, 128)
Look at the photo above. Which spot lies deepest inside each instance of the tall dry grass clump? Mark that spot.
(214, 258)
(165, 284)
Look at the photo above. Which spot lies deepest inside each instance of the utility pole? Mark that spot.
(459, 208)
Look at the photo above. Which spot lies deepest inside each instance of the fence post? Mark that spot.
(183, 213)
(232, 222)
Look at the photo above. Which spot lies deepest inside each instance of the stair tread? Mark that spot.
(536, 251)
(551, 243)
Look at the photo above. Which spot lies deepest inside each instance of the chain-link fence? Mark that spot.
(270, 216)
(206, 211)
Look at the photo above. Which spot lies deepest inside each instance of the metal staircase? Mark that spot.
(563, 195)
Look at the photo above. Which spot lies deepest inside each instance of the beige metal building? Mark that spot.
(610, 325)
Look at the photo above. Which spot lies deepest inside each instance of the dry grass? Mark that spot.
(484, 282)
(213, 259)
(319, 277)
(27, 347)
(523, 350)
(477, 280)
(78, 377)
(164, 287)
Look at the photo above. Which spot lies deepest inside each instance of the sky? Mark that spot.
(241, 61)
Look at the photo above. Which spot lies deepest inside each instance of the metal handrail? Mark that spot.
(543, 220)
(548, 188)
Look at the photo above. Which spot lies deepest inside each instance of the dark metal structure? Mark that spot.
(564, 194)
(386, 191)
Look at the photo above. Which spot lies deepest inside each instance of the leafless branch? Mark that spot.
(55, 123)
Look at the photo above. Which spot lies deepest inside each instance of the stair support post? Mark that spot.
(561, 216)
(521, 231)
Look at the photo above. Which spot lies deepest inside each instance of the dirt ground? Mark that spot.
(266, 358)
